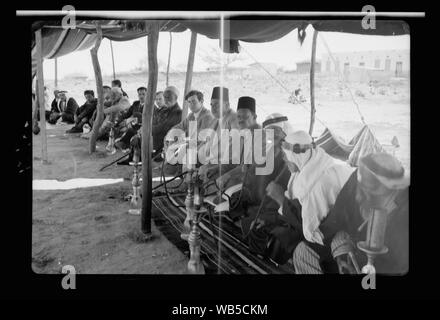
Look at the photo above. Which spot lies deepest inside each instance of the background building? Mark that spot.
(362, 65)
(304, 66)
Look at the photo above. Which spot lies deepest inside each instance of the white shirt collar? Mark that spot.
(196, 114)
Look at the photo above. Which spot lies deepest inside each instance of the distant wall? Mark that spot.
(390, 63)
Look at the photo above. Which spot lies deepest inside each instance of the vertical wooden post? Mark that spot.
(312, 83)
(189, 72)
(169, 58)
(113, 60)
(40, 94)
(56, 73)
(147, 123)
(98, 78)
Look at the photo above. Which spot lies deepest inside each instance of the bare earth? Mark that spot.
(89, 228)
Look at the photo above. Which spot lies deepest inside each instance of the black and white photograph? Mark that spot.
(217, 143)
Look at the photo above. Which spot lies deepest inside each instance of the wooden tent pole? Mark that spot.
(312, 83)
(98, 78)
(113, 60)
(189, 71)
(40, 93)
(56, 73)
(36, 105)
(147, 123)
(169, 58)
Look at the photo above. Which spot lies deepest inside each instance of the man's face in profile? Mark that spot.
(278, 134)
(290, 165)
(160, 101)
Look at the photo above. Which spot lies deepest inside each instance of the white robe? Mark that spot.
(316, 186)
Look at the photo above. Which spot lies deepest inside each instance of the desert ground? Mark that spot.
(89, 227)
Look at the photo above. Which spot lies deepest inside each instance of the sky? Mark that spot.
(284, 52)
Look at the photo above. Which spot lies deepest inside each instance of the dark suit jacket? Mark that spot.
(345, 216)
(165, 119)
(135, 110)
(71, 107)
(54, 106)
(87, 109)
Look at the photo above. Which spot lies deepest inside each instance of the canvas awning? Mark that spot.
(58, 41)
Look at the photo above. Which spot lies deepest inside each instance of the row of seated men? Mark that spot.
(312, 209)
(65, 108)
(125, 118)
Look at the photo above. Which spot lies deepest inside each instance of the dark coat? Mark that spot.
(135, 110)
(345, 216)
(163, 121)
(71, 107)
(86, 110)
(54, 106)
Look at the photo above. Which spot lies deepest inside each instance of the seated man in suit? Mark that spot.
(65, 109)
(164, 119)
(224, 119)
(132, 120)
(188, 130)
(85, 112)
(198, 119)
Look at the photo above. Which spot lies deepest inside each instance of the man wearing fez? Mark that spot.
(224, 118)
(85, 112)
(65, 109)
(247, 119)
(378, 187)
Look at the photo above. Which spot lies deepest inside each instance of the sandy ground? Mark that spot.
(89, 228)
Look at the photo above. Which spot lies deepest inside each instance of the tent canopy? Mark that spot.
(58, 41)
